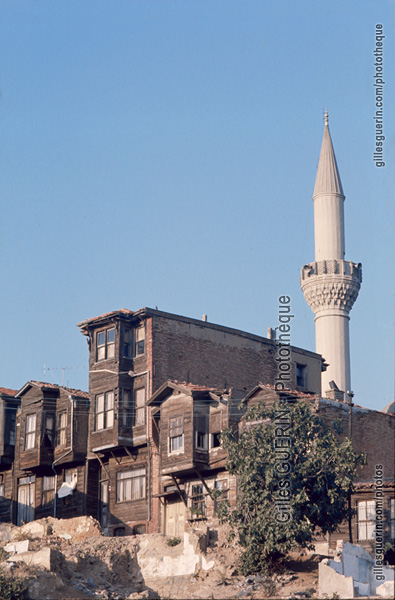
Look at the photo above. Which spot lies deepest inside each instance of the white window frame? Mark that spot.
(139, 341)
(139, 407)
(131, 485)
(201, 440)
(212, 447)
(62, 428)
(223, 486)
(105, 349)
(176, 442)
(30, 432)
(104, 418)
(126, 408)
(366, 519)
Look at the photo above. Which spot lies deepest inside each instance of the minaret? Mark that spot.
(331, 284)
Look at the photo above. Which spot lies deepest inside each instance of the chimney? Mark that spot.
(204, 318)
(271, 333)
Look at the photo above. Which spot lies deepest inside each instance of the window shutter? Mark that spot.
(216, 422)
(176, 426)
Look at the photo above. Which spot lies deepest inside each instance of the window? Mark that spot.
(139, 341)
(131, 485)
(62, 425)
(222, 486)
(301, 375)
(201, 431)
(366, 520)
(49, 431)
(127, 342)
(364, 458)
(126, 409)
(392, 518)
(2, 487)
(198, 506)
(201, 440)
(12, 428)
(139, 404)
(215, 439)
(30, 437)
(104, 411)
(105, 344)
(176, 435)
(48, 490)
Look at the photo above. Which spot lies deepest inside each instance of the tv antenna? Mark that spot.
(63, 369)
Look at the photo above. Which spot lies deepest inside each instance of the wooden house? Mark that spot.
(50, 452)
(187, 424)
(9, 405)
(131, 354)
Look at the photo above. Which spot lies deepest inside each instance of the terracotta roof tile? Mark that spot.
(54, 386)
(8, 391)
(122, 311)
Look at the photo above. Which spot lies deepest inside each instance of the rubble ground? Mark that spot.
(82, 563)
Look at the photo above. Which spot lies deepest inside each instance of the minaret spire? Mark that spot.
(331, 284)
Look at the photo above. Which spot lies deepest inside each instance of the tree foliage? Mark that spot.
(294, 478)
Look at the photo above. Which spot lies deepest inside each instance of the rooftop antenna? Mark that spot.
(63, 369)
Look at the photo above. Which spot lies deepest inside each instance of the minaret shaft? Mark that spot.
(331, 284)
(329, 226)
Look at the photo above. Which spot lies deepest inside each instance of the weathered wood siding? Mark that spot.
(177, 405)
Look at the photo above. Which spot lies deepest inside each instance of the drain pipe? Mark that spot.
(148, 487)
(71, 398)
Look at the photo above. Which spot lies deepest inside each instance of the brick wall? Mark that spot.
(195, 353)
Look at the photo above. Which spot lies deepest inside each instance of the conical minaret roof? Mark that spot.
(328, 178)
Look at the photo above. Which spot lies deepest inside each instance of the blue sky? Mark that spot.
(163, 153)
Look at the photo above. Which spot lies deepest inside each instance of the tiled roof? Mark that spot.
(8, 391)
(54, 386)
(371, 486)
(122, 311)
(196, 387)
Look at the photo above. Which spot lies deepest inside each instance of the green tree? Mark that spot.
(294, 477)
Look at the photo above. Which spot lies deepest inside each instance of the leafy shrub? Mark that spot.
(13, 588)
(173, 541)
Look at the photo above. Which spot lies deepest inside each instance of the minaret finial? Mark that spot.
(326, 117)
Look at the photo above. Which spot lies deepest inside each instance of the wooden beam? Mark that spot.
(179, 490)
(113, 455)
(103, 467)
(203, 482)
(134, 456)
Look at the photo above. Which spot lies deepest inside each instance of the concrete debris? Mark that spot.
(352, 573)
(72, 559)
(17, 547)
(386, 590)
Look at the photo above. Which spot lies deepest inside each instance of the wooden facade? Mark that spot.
(50, 452)
(9, 405)
(189, 420)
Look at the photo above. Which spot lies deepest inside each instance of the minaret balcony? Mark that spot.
(331, 284)
(332, 267)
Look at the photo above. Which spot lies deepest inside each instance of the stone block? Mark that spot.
(331, 582)
(17, 547)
